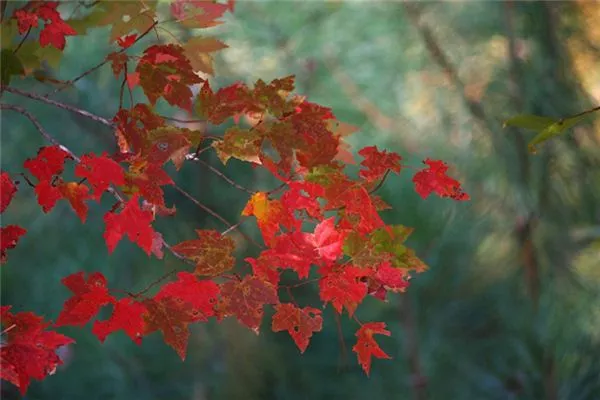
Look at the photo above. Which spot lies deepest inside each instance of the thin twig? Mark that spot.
(22, 41)
(64, 106)
(98, 66)
(223, 176)
(214, 214)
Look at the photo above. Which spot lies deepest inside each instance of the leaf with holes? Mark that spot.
(172, 318)
(433, 179)
(126, 316)
(88, 297)
(245, 300)
(300, 323)
(377, 163)
(366, 347)
(28, 349)
(344, 289)
(202, 295)
(212, 252)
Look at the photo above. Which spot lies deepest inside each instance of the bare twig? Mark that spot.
(97, 66)
(223, 176)
(58, 104)
(214, 214)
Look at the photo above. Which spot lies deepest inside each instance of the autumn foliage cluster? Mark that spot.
(320, 222)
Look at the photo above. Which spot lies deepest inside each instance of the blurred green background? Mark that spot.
(510, 307)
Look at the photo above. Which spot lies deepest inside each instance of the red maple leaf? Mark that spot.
(9, 236)
(201, 295)
(434, 179)
(146, 179)
(100, 172)
(344, 288)
(88, 297)
(131, 221)
(377, 163)
(245, 299)
(28, 350)
(299, 322)
(55, 28)
(165, 72)
(327, 241)
(126, 41)
(172, 318)
(49, 161)
(127, 316)
(7, 190)
(76, 193)
(269, 215)
(366, 347)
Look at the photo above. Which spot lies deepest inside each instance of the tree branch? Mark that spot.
(67, 107)
(216, 215)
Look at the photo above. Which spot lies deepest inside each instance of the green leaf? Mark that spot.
(11, 65)
(533, 122)
(553, 130)
(546, 127)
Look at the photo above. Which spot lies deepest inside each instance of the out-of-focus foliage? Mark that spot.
(509, 308)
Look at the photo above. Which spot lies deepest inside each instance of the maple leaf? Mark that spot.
(125, 17)
(269, 215)
(198, 13)
(133, 125)
(225, 103)
(131, 221)
(28, 350)
(245, 299)
(264, 267)
(434, 179)
(47, 195)
(211, 252)
(198, 49)
(166, 72)
(299, 322)
(326, 240)
(76, 194)
(366, 347)
(55, 28)
(9, 237)
(126, 316)
(126, 41)
(88, 297)
(100, 172)
(7, 190)
(304, 196)
(172, 318)
(169, 143)
(118, 62)
(201, 295)
(146, 179)
(239, 143)
(344, 288)
(54, 33)
(377, 163)
(50, 161)
(388, 278)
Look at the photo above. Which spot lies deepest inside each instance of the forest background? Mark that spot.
(509, 308)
